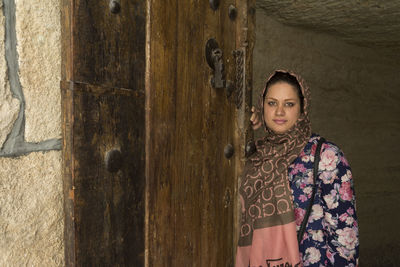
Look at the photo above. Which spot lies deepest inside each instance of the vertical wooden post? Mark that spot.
(103, 65)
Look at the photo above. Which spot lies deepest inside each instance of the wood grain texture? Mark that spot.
(107, 49)
(107, 209)
(68, 167)
(103, 66)
(190, 184)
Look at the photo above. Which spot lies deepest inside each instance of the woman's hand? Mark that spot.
(255, 119)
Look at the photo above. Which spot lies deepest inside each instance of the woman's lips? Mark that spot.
(280, 121)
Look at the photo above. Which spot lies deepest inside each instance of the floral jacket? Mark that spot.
(331, 235)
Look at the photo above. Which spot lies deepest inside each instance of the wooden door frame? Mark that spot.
(103, 96)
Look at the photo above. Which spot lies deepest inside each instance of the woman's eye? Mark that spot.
(289, 104)
(271, 103)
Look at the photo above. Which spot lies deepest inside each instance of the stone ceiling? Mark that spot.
(374, 23)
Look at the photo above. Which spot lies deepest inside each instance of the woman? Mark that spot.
(277, 188)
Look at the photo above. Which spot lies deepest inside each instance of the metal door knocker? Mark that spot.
(214, 57)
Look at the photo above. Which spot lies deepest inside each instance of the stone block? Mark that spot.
(39, 49)
(31, 210)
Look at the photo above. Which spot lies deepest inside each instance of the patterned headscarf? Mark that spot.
(267, 227)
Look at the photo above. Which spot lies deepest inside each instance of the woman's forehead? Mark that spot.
(281, 88)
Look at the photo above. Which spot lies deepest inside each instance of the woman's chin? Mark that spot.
(280, 129)
(279, 132)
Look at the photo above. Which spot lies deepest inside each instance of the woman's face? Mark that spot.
(281, 107)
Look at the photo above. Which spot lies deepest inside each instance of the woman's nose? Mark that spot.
(280, 110)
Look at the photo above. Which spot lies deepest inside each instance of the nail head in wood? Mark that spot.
(115, 7)
(113, 160)
(232, 12)
(214, 4)
(228, 151)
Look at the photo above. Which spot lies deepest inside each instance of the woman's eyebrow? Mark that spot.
(289, 99)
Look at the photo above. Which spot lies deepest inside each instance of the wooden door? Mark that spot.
(146, 180)
(191, 185)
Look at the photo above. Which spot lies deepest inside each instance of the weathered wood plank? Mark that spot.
(108, 49)
(69, 225)
(103, 66)
(108, 208)
(66, 41)
(189, 181)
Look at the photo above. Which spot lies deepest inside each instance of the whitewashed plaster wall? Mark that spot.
(31, 198)
(355, 104)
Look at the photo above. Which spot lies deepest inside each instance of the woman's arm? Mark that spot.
(338, 201)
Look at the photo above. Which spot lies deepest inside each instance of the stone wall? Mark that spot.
(355, 104)
(31, 198)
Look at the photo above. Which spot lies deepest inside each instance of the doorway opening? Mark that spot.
(348, 54)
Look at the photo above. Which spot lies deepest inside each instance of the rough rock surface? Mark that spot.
(370, 23)
(9, 106)
(39, 49)
(31, 210)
